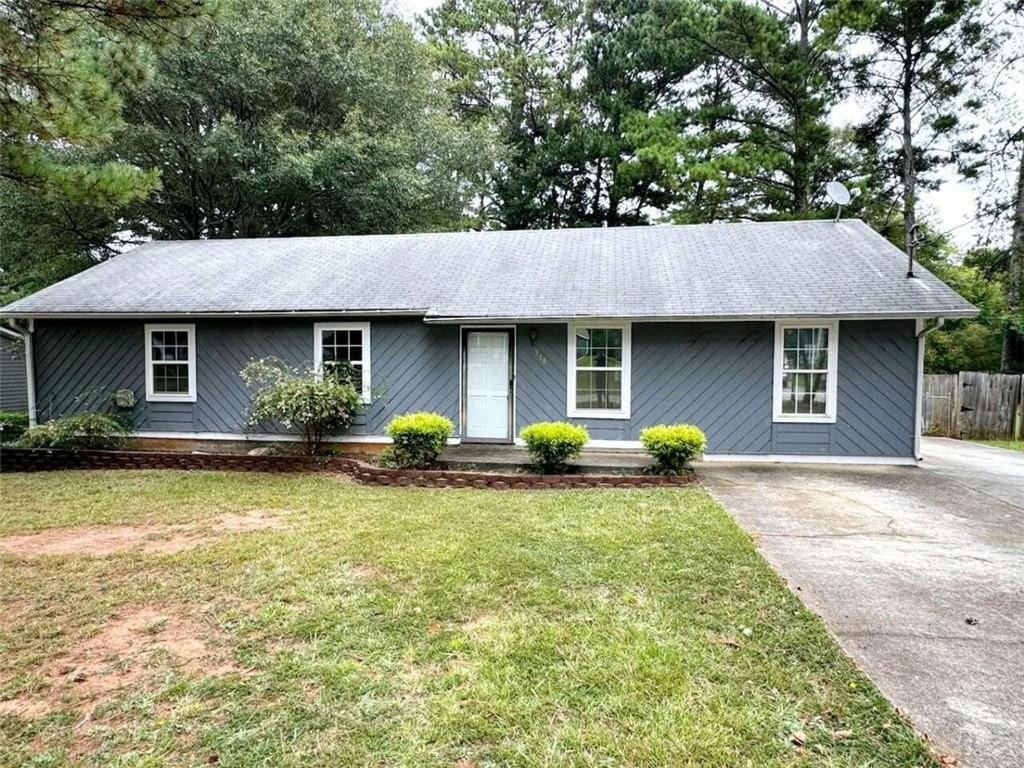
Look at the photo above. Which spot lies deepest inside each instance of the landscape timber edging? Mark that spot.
(14, 459)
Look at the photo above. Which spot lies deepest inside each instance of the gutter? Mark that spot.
(939, 322)
(25, 334)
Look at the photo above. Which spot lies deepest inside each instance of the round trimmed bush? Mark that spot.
(417, 439)
(673, 446)
(79, 432)
(553, 443)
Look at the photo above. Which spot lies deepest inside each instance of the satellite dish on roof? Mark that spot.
(840, 195)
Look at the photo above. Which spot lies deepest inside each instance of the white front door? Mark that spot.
(487, 384)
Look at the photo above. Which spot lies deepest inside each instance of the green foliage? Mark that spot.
(63, 65)
(553, 443)
(417, 439)
(317, 404)
(47, 238)
(285, 119)
(919, 60)
(82, 431)
(12, 425)
(510, 69)
(673, 446)
(966, 345)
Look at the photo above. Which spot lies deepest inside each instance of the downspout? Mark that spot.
(25, 332)
(922, 332)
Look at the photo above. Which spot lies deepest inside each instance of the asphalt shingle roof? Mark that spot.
(703, 271)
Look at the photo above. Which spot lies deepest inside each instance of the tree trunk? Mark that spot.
(801, 121)
(909, 169)
(1013, 340)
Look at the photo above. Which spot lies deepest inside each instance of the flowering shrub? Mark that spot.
(78, 432)
(417, 440)
(553, 443)
(673, 446)
(317, 404)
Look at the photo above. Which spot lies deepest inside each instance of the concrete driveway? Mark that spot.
(919, 572)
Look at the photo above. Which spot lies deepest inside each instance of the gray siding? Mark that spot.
(13, 392)
(719, 376)
(79, 363)
(715, 375)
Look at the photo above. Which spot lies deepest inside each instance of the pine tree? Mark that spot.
(924, 55)
(63, 62)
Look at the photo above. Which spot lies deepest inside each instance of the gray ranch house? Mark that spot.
(782, 341)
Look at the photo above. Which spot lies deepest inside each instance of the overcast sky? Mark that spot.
(950, 207)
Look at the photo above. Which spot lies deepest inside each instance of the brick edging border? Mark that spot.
(51, 459)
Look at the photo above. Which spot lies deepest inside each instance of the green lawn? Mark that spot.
(1010, 445)
(410, 627)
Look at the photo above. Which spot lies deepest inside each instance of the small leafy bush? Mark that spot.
(12, 425)
(82, 431)
(124, 399)
(673, 446)
(553, 443)
(417, 440)
(317, 404)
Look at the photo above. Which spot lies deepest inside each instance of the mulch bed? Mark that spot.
(48, 459)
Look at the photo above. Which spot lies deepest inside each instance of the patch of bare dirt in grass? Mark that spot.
(125, 654)
(367, 571)
(101, 540)
(480, 625)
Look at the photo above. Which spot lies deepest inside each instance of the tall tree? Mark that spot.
(512, 67)
(296, 119)
(634, 65)
(62, 62)
(748, 135)
(923, 56)
(1012, 360)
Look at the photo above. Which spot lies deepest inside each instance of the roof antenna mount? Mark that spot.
(840, 195)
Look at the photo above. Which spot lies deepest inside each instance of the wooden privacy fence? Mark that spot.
(973, 405)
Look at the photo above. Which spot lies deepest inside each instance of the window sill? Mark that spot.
(170, 398)
(583, 414)
(788, 419)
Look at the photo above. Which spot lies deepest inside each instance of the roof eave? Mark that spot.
(950, 314)
(71, 315)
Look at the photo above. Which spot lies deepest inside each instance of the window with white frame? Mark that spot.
(806, 356)
(344, 343)
(599, 360)
(171, 363)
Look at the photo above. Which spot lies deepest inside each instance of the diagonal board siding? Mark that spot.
(719, 376)
(79, 363)
(716, 375)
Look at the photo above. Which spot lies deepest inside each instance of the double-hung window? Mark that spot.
(806, 356)
(599, 360)
(344, 344)
(171, 363)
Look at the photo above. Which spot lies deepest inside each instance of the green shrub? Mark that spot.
(79, 432)
(417, 440)
(12, 425)
(317, 404)
(673, 446)
(553, 443)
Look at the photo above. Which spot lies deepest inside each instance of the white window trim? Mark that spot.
(594, 413)
(165, 397)
(831, 385)
(318, 352)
